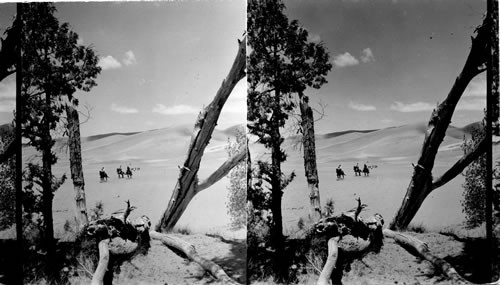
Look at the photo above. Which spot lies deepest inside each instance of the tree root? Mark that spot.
(122, 239)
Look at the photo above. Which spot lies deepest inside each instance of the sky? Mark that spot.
(161, 62)
(393, 61)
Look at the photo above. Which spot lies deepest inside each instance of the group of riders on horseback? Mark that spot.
(104, 176)
(357, 171)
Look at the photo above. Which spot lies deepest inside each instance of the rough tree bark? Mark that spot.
(187, 183)
(421, 183)
(75, 159)
(310, 167)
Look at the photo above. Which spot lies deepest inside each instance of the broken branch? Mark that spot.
(223, 170)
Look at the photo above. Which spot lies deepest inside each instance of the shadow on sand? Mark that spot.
(235, 264)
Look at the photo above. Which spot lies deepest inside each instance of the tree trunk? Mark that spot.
(186, 187)
(421, 181)
(47, 190)
(75, 159)
(102, 266)
(331, 261)
(190, 251)
(310, 167)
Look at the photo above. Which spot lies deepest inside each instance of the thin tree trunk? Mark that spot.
(276, 231)
(75, 159)
(102, 266)
(421, 181)
(186, 187)
(47, 195)
(310, 167)
(331, 262)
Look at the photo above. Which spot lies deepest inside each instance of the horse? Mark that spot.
(129, 173)
(357, 171)
(366, 171)
(340, 173)
(103, 175)
(120, 173)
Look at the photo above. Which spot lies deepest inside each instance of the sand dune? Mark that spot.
(393, 150)
(157, 153)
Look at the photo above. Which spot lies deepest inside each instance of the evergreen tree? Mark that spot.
(281, 64)
(54, 68)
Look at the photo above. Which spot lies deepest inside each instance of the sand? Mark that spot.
(157, 153)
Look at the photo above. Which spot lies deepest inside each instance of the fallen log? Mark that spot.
(349, 237)
(190, 251)
(120, 239)
(420, 249)
(331, 261)
(102, 267)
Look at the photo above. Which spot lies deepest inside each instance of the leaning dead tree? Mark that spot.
(422, 182)
(187, 184)
(75, 159)
(186, 188)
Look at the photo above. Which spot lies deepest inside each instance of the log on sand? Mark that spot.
(420, 249)
(190, 251)
(122, 239)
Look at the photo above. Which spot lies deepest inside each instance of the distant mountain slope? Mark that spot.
(393, 142)
(159, 144)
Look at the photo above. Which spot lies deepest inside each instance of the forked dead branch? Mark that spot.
(118, 238)
(422, 182)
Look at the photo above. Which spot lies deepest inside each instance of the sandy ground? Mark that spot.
(157, 153)
(163, 266)
(393, 151)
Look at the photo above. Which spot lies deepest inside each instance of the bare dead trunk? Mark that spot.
(421, 181)
(190, 251)
(75, 159)
(102, 266)
(310, 167)
(187, 183)
(331, 261)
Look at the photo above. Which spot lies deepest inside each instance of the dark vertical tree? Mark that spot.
(281, 64)
(57, 67)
